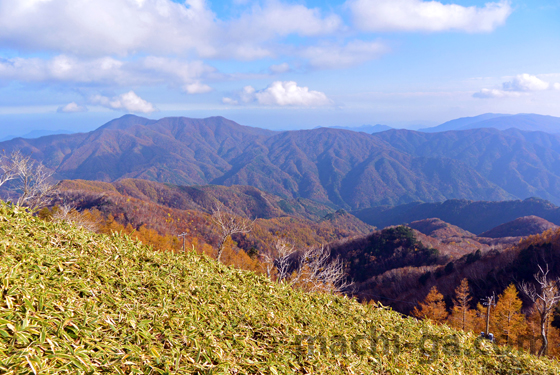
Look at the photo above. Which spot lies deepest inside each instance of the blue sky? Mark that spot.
(75, 64)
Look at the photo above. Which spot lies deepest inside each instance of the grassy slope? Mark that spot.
(76, 301)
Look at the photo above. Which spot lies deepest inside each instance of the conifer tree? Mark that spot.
(433, 307)
(507, 322)
(462, 316)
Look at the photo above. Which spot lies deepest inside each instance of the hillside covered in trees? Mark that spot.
(156, 213)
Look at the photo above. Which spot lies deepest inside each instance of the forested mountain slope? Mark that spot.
(525, 164)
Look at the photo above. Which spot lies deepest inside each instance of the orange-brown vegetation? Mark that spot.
(432, 308)
(462, 317)
(156, 214)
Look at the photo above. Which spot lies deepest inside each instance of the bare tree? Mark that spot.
(7, 169)
(311, 269)
(318, 272)
(545, 297)
(228, 224)
(34, 181)
(277, 260)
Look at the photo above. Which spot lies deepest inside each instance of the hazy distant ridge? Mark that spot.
(526, 122)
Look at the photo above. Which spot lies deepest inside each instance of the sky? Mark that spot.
(76, 64)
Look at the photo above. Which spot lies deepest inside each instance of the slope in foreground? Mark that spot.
(78, 302)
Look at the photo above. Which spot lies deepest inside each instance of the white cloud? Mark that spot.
(334, 56)
(72, 108)
(129, 102)
(247, 95)
(281, 93)
(280, 68)
(197, 88)
(557, 86)
(525, 83)
(520, 84)
(431, 16)
(230, 101)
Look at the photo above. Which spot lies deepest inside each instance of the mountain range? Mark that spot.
(524, 121)
(370, 129)
(340, 168)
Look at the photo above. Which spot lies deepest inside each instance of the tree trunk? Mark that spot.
(221, 248)
(544, 346)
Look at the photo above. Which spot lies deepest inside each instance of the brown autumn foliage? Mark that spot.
(433, 307)
(170, 211)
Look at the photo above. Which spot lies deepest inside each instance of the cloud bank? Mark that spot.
(129, 102)
(108, 71)
(158, 27)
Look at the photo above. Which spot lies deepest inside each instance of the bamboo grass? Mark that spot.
(75, 302)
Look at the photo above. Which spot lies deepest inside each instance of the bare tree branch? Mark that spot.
(278, 260)
(545, 298)
(319, 273)
(229, 224)
(7, 169)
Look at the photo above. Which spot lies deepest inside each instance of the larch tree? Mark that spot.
(462, 316)
(507, 322)
(432, 308)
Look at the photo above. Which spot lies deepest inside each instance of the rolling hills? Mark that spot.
(78, 302)
(475, 217)
(523, 226)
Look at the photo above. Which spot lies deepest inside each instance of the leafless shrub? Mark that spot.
(69, 214)
(228, 224)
